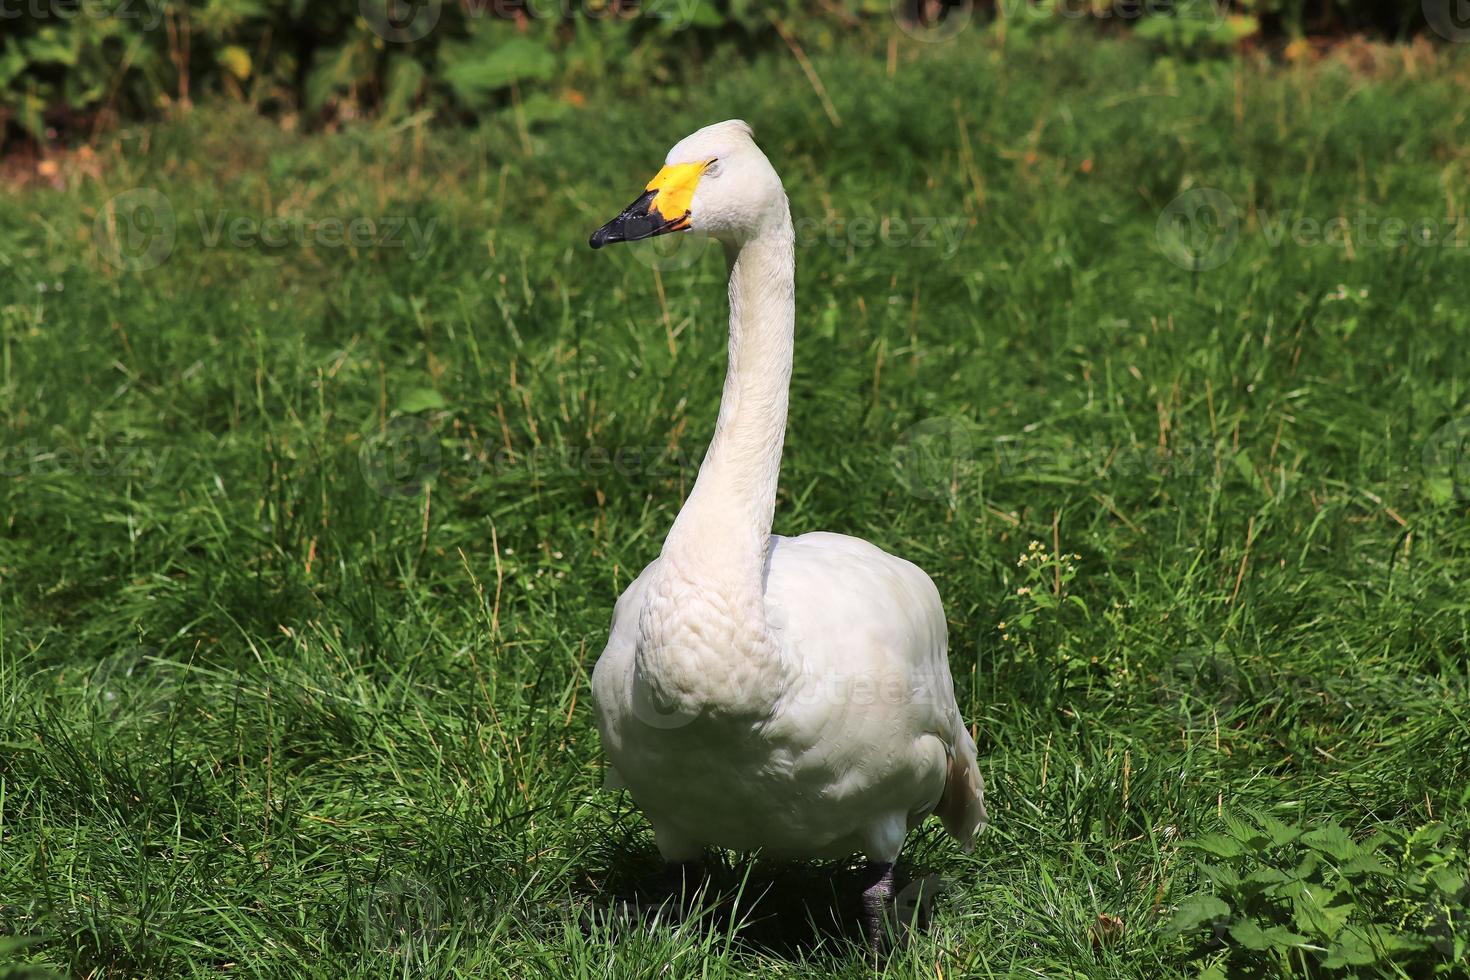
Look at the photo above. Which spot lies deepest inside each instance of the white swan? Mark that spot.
(757, 692)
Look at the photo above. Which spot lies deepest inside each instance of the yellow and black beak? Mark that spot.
(663, 207)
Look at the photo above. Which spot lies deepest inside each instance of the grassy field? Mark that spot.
(310, 530)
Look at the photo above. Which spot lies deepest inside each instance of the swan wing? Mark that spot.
(865, 636)
(612, 676)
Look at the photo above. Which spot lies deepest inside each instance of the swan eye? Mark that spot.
(713, 169)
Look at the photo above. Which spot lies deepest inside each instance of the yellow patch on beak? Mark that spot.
(673, 188)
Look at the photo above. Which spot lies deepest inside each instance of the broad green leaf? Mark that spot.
(1280, 833)
(405, 80)
(1250, 935)
(1217, 844)
(1196, 911)
(235, 60)
(1349, 950)
(1225, 877)
(476, 77)
(420, 400)
(1364, 864)
(1321, 912)
(1331, 840)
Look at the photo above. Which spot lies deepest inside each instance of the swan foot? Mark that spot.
(877, 896)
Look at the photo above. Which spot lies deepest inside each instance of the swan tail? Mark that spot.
(962, 805)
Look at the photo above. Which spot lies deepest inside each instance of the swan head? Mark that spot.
(715, 180)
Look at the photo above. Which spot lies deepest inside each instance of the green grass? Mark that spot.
(306, 552)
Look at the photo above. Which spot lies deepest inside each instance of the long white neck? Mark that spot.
(722, 532)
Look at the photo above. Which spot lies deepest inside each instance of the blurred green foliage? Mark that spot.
(65, 63)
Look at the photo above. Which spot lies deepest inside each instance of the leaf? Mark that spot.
(1280, 833)
(1247, 834)
(1314, 911)
(235, 60)
(1331, 840)
(1247, 470)
(346, 67)
(476, 77)
(1447, 880)
(1348, 951)
(1364, 864)
(1196, 911)
(1217, 844)
(405, 79)
(1225, 877)
(14, 944)
(1252, 936)
(420, 400)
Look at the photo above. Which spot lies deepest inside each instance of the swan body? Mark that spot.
(857, 747)
(790, 695)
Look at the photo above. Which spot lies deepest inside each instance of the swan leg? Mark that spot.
(877, 895)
